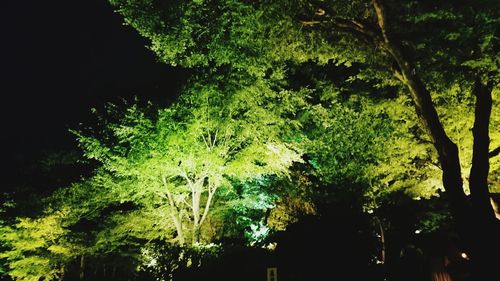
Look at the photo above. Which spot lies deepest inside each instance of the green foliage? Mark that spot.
(332, 127)
(278, 36)
(38, 248)
(167, 262)
(253, 109)
(174, 163)
(296, 199)
(411, 162)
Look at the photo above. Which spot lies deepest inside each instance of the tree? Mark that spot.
(388, 41)
(37, 248)
(177, 161)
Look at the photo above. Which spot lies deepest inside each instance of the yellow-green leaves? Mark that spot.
(37, 248)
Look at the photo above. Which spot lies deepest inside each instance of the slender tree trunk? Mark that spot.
(82, 267)
(197, 190)
(196, 197)
(196, 234)
(382, 239)
(178, 227)
(174, 213)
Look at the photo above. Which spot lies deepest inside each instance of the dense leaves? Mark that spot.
(289, 101)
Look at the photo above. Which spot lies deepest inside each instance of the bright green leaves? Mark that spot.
(173, 163)
(345, 141)
(38, 248)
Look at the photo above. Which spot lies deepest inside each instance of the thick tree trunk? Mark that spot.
(478, 179)
(477, 225)
(485, 246)
(447, 150)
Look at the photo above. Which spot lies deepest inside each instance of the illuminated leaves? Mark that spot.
(37, 248)
(180, 158)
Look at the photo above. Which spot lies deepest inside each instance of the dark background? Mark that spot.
(59, 59)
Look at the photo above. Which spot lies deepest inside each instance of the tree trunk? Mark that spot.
(82, 267)
(174, 213)
(178, 227)
(447, 150)
(485, 247)
(478, 179)
(477, 225)
(196, 234)
(382, 239)
(197, 190)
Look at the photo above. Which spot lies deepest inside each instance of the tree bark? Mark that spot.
(197, 190)
(174, 213)
(485, 225)
(447, 150)
(478, 179)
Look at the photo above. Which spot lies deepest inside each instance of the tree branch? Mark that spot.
(211, 193)
(494, 152)
(381, 18)
(169, 195)
(355, 27)
(310, 22)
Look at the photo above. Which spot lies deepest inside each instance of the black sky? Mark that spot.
(59, 58)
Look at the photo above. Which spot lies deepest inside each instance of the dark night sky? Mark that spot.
(59, 58)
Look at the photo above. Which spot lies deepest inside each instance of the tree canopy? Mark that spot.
(388, 44)
(285, 99)
(182, 157)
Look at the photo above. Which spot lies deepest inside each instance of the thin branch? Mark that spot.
(186, 202)
(310, 22)
(358, 28)
(355, 27)
(381, 18)
(494, 152)
(188, 180)
(211, 193)
(205, 141)
(169, 195)
(215, 138)
(399, 76)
